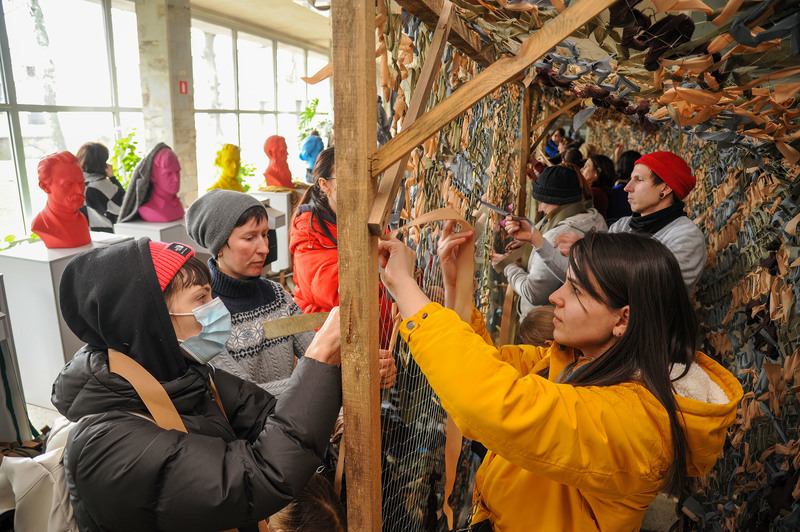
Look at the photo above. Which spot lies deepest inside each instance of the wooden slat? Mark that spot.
(291, 325)
(462, 37)
(504, 338)
(524, 152)
(387, 192)
(499, 72)
(354, 89)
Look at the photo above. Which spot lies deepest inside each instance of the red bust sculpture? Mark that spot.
(165, 182)
(277, 173)
(61, 224)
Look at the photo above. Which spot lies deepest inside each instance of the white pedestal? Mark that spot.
(32, 274)
(162, 232)
(280, 211)
(14, 422)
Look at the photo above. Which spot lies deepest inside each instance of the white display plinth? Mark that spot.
(32, 274)
(279, 210)
(14, 422)
(162, 232)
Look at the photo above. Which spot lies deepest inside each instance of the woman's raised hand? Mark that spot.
(326, 347)
(397, 273)
(518, 229)
(388, 369)
(448, 248)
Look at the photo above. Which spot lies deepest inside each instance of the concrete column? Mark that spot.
(165, 63)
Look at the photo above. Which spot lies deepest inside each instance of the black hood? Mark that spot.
(110, 298)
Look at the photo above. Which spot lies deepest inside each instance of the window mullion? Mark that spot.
(16, 128)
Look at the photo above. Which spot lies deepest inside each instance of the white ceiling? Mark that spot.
(279, 18)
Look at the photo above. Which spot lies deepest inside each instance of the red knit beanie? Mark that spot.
(168, 259)
(672, 170)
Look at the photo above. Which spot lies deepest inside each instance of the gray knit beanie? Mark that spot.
(210, 220)
(557, 185)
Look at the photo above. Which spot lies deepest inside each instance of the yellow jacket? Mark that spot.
(561, 457)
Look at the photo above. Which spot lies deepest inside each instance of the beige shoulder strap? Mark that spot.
(153, 395)
(155, 398)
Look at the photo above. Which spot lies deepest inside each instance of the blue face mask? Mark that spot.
(216, 322)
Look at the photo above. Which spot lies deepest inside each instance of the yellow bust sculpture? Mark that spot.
(228, 159)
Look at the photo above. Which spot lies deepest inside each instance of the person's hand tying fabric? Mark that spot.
(326, 347)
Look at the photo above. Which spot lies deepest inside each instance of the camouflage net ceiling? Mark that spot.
(724, 71)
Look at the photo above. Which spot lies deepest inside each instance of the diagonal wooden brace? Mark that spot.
(387, 191)
(498, 73)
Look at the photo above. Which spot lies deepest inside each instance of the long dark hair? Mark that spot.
(606, 175)
(628, 269)
(316, 199)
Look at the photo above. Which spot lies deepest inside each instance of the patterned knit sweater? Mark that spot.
(249, 354)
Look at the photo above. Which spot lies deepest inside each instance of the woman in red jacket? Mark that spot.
(314, 247)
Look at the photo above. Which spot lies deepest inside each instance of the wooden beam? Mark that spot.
(524, 152)
(548, 122)
(390, 183)
(355, 94)
(463, 38)
(499, 72)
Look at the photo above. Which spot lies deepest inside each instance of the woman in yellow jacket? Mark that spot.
(584, 434)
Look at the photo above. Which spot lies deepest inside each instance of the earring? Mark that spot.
(661, 195)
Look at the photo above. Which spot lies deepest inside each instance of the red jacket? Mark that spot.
(316, 271)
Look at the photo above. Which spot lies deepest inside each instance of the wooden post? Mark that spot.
(355, 96)
(387, 192)
(499, 72)
(524, 151)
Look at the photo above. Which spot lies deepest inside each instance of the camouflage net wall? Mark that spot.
(748, 303)
(473, 157)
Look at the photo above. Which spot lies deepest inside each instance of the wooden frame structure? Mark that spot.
(364, 207)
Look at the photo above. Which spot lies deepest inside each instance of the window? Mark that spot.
(271, 95)
(255, 129)
(11, 219)
(126, 54)
(291, 89)
(46, 133)
(256, 73)
(213, 130)
(212, 65)
(62, 97)
(56, 63)
(322, 90)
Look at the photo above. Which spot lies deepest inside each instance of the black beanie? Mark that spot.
(557, 185)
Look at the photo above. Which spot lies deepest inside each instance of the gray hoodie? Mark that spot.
(547, 267)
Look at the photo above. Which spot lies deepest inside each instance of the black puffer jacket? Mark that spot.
(126, 473)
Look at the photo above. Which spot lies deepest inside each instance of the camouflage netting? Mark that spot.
(473, 157)
(717, 85)
(748, 303)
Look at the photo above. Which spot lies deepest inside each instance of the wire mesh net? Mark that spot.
(473, 158)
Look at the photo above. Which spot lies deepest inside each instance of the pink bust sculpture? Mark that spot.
(277, 173)
(61, 224)
(165, 181)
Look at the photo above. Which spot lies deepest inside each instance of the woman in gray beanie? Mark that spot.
(233, 226)
(559, 194)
